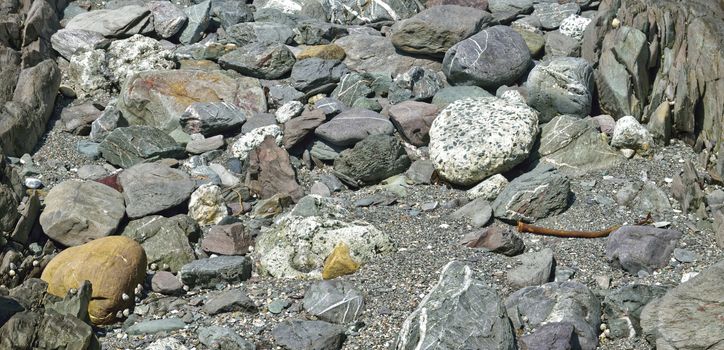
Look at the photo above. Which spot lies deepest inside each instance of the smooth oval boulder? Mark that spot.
(474, 138)
(352, 126)
(434, 30)
(491, 58)
(371, 160)
(151, 187)
(78, 212)
(114, 265)
(561, 85)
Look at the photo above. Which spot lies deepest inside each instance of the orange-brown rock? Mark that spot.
(339, 263)
(114, 265)
(325, 52)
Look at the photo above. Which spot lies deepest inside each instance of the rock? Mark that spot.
(271, 207)
(149, 188)
(454, 313)
(559, 45)
(135, 54)
(207, 205)
(223, 338)
(350, 12)
(207, 273)
(628, 133)
(211, 118)
(472, 139)
(297, 129)
(160, 98)
(574, 26)
(569, 302)
(488, 189)
(421, 172)
(124, 21)
(166, 343)
(466, 63)
(550, 15)
(270, 172)
(114, 265)
(166, 241)
(554, 335)
(168, 18)
(661, 319)
(74, 304)
(288, 110)
(533, 195)
(333, 301)
(8, 308)
(316, 75)
(636, 248)
(418, 83)
(198, 22)
(230, 239)
(687, 189)
(450, 94)
(19, 331)
(536, 269)
(510, 6)
(166, 283)
(660, 123)
(56, 331)
(561, 86)
(373, 53)
(434, 30)
(297, 246)
(87, 73)
(308, 335)
(78, 212)
(69, 42)
(533, 38)
(354, 125)
(325, 52)
(109, 120)
(643, 198)
(478, 4)
(260, 32)
(128, 146)
(205, 145)
(156, 326)
(622, 308)
(229, 301)
(339, 263)
(351, 87)
(477, 211)
(495, 239)
(260, 60)
(248, 142)
(371, 160)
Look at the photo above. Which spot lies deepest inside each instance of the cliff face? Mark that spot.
(664, 59)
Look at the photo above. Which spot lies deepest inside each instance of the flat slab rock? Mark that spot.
(533, 195)
(309, 335)
(149, 188)
(354, 125)
(207, 273)
(636, 248)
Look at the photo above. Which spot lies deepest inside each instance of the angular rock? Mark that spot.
(8, 308)
(554, 335)
(325, 52)
(636, 248)
(124, 21)
(533, 195)
(207, 205)
(550, 15)
(351, 87)
(135, 54)
(270, 171)
(77, 119)
(628, 133)
(149, 188)
(259, 32)
(373, 53)
(477, 211)
(472, 139)
(223, 338)
(574, 26)
(211, 118)
(198, 21)
(536, 269)
(418, 83)
(78, 212)
(156, 326)
(495, 239)
(333, 301)
(687, 188)
(168, 18)
(622, 308)
(450, 94)
(421, 172)
(561, 86)
(308, 335)
(207, 273)
(205, 145)
(460, 312)
(166, 241)
(69, 42)
(260, 60)
(128, 146)
(19, 331)
(288, 110)
(371, 160)
(488, 189)
(297, 129)
(317, 75)
(166, 283)
(351, 12)
(58, 331)
(354, 125)
(510, 6)
(232, 239)
(229, 301)
(477, 59)
(339, 263)
(114, 265)
(252, 139)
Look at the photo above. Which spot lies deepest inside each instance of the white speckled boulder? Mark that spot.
(474, 138)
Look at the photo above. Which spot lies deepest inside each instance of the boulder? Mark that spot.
(510, 6)
(297, 129)
(352, 12)
(231, 239)
(374, 53)
(124, 21)
(472, 139)
(488, 189)
(561, 86)
(166, 241)
(554, 335)
(249, 141)
(223, 338)
(622, 308)
(417, 83)
(309, 335)
(493, 57)
(533, 195)
(207, 205)
(413, 119)
(536, 269)
(495, 239)
(461, 311)
(128, 146)
(450, 94)
(371, 160)
(628, 133)
(260, 60)
(270, 172)
(333, 301)
(317, 75)
(69, 42)
(262, 32)
(229, 301)
(114, 265)
(478, 212)
(198, 21)
(325, 52)
(78, 212)
(168, 18)
(135, 54)
(636, 248)
(354, 125)
(208, 273)
(149, 188)
(550, 15)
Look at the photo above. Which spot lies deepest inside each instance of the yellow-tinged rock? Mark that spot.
(339, 263)
(325, 52)
(114, 265)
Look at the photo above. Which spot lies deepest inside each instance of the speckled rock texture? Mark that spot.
(472, 139)
(561, 85)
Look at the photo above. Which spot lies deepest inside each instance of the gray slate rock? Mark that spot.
(687, 189)
(69, 42)
(352, 86)
(467, 63)
(561, 86)
(354, 125)
(207, 273)
(636, 248)
(418, 84)
(78, 212)
(664, 326)
(413, 119)
(128, 146)
(460, 312)
(572, 302)
(259, 32)
(353, 12)
(514, 6)
(534, 195)
(125, 21)
(309, 335)
(560, 45)
(315, 75)
(551, 336)
(333, 301)
(371, 160)
(109, 120)
(149, 188)
(57, 331)
(222, 338)
(168, 18)
(156, 326)
(198, 22)
(434, 30)
(260, 60)
(450, 94)
(229, 13)
(8, 308)
(229, 301)
(166, 283)
(496, 239)
(297, 129)
(478, 212)
(421, 171)
(374, 53)
(622, 308)
(166, 241)
(550, 15)
(211, 118)
(536, 269)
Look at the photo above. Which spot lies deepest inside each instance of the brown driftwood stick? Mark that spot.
(523, 227)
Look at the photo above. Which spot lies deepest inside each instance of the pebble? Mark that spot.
(33, 183)
(684, 255)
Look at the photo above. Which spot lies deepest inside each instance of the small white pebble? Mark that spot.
(125, 296)
(126, 312)
(36, 263)
(154, 266)
(604, 326)
(11, 273)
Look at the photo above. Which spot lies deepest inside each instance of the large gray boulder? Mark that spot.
(260, 60)
(354, 125)
(128, 146)
(69, 42)
(533, 195)
(77, 212)
(166, 241)
(334, 301)
(434, 30)
(636, 248)
(461, 312)
(124, 21)
(371, 160)
(472, 139)
(151, 187)
(309, 335)
(561, 86)
(354, 12)
(374, 53)
(493, 57)
(209, 272)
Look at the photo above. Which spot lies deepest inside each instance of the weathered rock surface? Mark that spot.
(354, 125)
(299, 334)
(124, 21)
(149, 188)
(561, 86)
(533, 195)
(636, 248)
(333, 301)
(371, 160)
(207, 273)
(166, 241)
(270, 172)
(128, 146)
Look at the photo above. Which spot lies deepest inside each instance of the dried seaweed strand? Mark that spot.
(523, 227)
